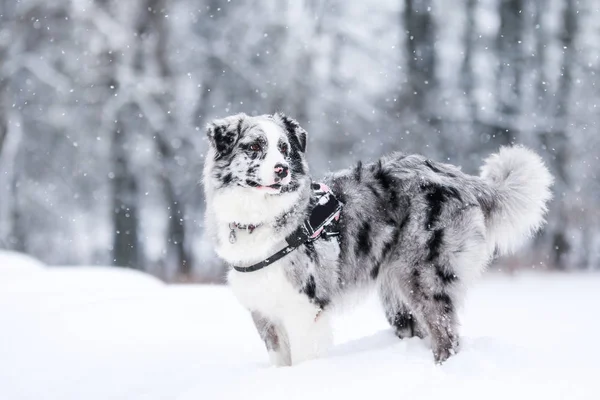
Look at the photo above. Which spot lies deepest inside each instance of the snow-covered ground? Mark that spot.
(102, 333)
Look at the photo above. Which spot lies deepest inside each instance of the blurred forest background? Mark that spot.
(103, 105)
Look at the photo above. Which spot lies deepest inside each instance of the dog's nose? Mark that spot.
(281, 170)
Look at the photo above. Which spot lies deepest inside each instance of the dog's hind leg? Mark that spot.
(439, 314)
(435, 305)
(428, 307)
(275, 339)
(398, 314)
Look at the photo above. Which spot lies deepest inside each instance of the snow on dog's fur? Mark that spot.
(417, 230)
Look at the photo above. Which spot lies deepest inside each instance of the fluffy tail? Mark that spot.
(521, 183)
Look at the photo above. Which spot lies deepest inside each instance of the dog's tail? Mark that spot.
(521, 189)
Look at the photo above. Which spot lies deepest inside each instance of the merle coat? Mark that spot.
(418, 231)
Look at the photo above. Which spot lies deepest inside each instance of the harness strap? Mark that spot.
(322, 220)
(275, 257)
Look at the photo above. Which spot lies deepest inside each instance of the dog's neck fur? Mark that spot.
(278, 216)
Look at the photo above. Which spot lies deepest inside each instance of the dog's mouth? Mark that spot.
(276, 186)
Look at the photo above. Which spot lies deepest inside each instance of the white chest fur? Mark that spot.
(269, 292)
(246, 206)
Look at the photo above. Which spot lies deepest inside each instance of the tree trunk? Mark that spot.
(541, 33)
(423, 89)
(467, 78)
(126, 251)
(177, 250)
(176, 233)
(3, 118)
(212, 66)
(420, 40)
(557, 140)
(3, 93)
(509, 76)
(17, 240)
(13, 230)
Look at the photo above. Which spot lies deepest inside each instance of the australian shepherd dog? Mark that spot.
(416, 230)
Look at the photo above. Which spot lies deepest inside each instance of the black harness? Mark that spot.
(323, 220)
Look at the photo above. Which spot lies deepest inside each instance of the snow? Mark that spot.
(18, 264)
(105, 333)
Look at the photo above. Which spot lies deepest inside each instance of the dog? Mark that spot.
(418, 231)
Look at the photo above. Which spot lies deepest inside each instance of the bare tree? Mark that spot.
(422, 94)
(3, 112)
(509, 72)
(119, 64)
(556, 139)
(420, 54)
(467, 78)
(125, 198)
(154, 28)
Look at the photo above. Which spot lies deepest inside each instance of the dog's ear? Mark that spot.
(295, 131)
(224, 133)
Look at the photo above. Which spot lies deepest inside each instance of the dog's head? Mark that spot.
(265, 153)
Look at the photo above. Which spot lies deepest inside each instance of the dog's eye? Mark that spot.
(255, 147)
(283, 148)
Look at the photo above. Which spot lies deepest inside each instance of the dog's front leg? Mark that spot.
(275, 339)
(310, 335)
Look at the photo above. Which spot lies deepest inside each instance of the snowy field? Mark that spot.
(100, 333)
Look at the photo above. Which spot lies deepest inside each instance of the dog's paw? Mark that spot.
(441, 355)
(279, 359)
(444, 350)
(407, 326)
